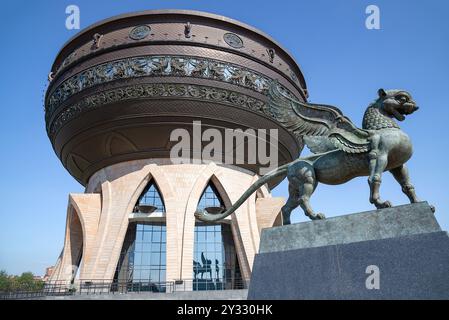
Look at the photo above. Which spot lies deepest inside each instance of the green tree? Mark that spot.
(24, 282)
(5, 281)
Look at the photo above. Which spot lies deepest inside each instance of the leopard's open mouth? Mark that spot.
(404, 110)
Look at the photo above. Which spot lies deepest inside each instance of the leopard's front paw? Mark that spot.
(383, 205)
(321, 216)
(318, 216)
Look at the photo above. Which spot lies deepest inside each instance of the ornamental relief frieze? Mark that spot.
(158, 91)
(178, 66)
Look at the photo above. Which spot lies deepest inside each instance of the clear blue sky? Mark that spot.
(344, 64)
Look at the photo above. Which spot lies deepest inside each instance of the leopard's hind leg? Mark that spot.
(378, 161)
(302, 184)
(291, 204)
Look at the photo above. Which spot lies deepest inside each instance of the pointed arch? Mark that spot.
(244, 242)
(150, 199)
(211, 197)
(143, 255)
(210, 173)
(215, 262)
(164, 187)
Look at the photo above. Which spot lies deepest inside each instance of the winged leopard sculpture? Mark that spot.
(341, 151)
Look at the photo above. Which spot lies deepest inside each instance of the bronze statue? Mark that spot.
(341, 151)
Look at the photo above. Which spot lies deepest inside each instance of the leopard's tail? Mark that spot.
(203, 215)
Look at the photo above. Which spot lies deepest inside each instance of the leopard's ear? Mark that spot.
(381, 92)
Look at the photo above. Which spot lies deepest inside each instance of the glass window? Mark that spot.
(144, 274)
(151, 196)
(215, 265)
(156, 236)
(146, 236)
(142, 260)
(210, 198)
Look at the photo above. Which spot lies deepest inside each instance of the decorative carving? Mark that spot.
(233, 40)
(68, 60)
(187, 30)
(139, 32)
(162, 90)
(97, 40)
(271, 54)
(157, 66)
(293, 76)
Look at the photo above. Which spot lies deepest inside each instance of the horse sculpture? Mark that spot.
(206, 267)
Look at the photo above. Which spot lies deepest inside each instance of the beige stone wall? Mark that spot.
(83, 214)
(103, 214)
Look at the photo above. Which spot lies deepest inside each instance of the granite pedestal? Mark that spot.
(394, 253)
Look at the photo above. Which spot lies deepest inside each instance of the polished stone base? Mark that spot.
(395, 253)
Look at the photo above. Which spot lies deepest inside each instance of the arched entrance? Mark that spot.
(215, 263)
(142, 262)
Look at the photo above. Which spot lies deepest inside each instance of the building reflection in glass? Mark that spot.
(142, 262)
(215, 264)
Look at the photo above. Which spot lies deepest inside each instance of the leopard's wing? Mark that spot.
(322, 127)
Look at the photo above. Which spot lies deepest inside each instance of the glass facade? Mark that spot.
(149, 252)
(210, 198)
(142, 260)
(142, 263)
(151, 197)
(215, 264)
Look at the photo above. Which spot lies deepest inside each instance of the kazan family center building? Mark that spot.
(117, 91)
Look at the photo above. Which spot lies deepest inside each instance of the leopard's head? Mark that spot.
(396, 103)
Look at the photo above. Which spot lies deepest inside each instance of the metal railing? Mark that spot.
(90, 287)
(211, 285)
(21, 294)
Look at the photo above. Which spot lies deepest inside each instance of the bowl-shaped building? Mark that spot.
(117, 92)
